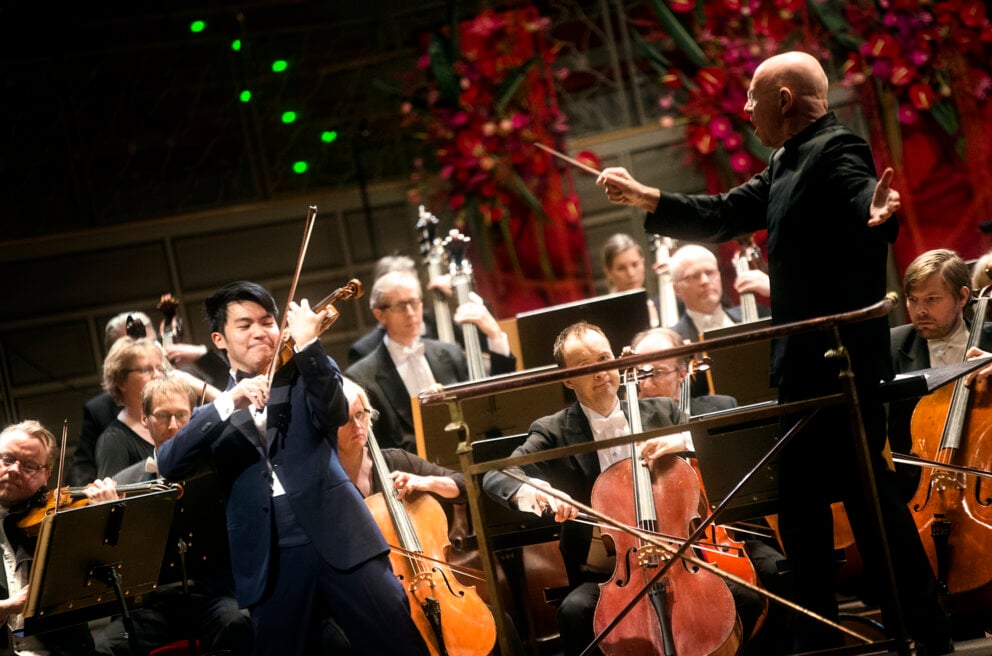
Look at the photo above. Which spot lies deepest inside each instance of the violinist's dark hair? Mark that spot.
(215, 307)
(577, 329)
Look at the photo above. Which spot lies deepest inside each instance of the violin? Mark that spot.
(284, 352)
(953, 510)
(747, 258)
(434, 254)
(688, 611)
(49, 502)
(452, 618)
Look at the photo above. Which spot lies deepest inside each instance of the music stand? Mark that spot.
(742, 370)
(89, 559)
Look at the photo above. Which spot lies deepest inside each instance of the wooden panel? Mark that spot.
(48, 353)
(82, 280)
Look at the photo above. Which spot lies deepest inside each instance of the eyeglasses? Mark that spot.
(27, 467)
(147, 371)
(165, 417)
(698, 276)
(364, 415)
(402, 307)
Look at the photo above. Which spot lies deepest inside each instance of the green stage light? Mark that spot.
(329, 136)
(300, 167)
(288, 117)
(279, 65)
(197, 26)
(245, 96)
(236, 45)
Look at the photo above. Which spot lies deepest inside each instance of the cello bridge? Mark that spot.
(650, 555)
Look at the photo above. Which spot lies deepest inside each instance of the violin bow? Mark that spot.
(680, 552)
(307, 231)
(58, 480)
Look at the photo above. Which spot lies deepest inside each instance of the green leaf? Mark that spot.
(526, 195)
(658, 62)
(447, 84)
(511, 251)
(946, 116)
(832, 19)
(755, 147)
(679, 34)
(509, 87)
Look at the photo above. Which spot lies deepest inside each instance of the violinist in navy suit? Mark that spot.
(303, 545)
(405, 364)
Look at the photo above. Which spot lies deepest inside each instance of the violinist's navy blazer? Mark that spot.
(305, 409)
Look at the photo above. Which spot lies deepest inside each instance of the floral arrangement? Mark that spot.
(489, 98)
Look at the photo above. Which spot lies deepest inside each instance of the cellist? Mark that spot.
(937, 287)
(597, 414)
(666, 380)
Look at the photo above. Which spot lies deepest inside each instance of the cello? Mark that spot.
(689, 611)
(452, 618)
(953, 510)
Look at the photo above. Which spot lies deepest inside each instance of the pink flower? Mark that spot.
(740, 161)
(732, 141)
(908, 114)
(720, 127)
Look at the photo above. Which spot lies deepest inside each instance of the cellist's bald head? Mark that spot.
(788, 92)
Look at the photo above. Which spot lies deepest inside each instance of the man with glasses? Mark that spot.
(27, 455)
(404, 364)
(208, 611)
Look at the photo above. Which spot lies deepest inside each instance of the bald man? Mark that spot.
(819, 188)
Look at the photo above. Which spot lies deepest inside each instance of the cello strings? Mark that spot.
(672, 540)
(468, 572)
(691, 559)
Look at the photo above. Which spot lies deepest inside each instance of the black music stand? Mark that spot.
(89, 560)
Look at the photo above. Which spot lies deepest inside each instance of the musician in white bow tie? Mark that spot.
(406, 363)
(598, 414)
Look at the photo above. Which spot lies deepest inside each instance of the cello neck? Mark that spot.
(747, 258)
(957, 412)
(645, 513)
(397, 512)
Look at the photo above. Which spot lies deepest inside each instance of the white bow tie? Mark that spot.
(612, 426)
(403, 354)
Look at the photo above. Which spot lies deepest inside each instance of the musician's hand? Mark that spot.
(13, 605)
(533, 498)
(661, 268)
(981, 375)
(885, 201)
(475, 312)
(753, 281)
(101, 490)
(208, 391)
(442, 284)
(623, 189)
(657, 447)
(304, 323)
(184, 354)
(251, 392)
(405, 483)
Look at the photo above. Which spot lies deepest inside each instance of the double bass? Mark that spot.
(452, 618)
(461, 280)
(953, 510)
(432, 248)
(668, 308)
(688, 611)
(748, 257)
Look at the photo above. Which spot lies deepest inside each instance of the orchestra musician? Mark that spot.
(303, 545)
(937, 289)
(405, 363)
(596, 415)
(27, 457)
(208, 609)
(101, 410)
(623, 266)
(666, 380)
(820, 178)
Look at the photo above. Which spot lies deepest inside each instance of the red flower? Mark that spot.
(922, 96)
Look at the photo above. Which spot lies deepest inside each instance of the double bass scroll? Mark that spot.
(747, 258)
(461, 280)
(432, 248)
